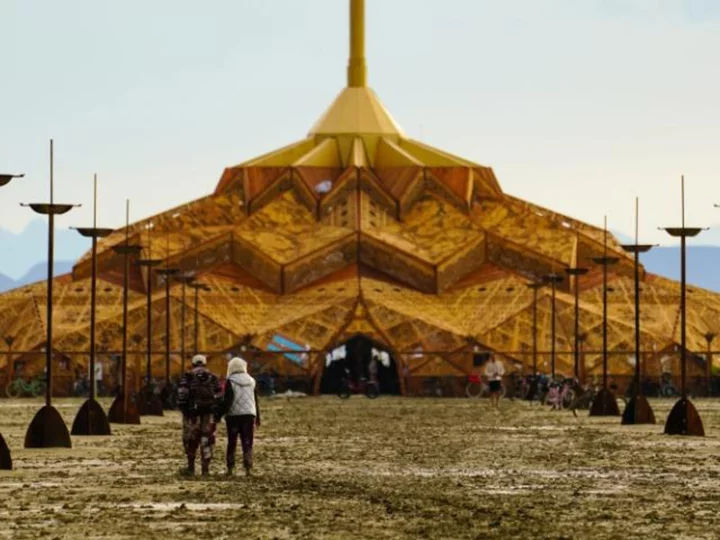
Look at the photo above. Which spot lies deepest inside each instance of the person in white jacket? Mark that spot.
(242, 413)
(494, 372)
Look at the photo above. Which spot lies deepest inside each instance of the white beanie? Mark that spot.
(236, 365)
(199, 360)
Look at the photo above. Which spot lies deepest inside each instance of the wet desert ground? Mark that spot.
(388, 468)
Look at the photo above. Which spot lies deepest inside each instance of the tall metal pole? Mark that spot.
(638, 410)
(197, 286)
(534, 287)
(553, 279)
(91, 418)
(576, 273)
(604, 403)
(47, 428)
(167, 274)
(150, 404)
(93, 293)
(709, 337)
(182, 327)
(186, 280)
(121, 411)
(683, 418)
(5, 455)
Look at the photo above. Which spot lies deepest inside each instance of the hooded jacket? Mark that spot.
(240, 398)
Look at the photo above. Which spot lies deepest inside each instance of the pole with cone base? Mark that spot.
(576, 273)
(124, 409)
(638, 410)
(197, 287)
(185, 279)
(604, 403)
(47, 429)
(553, 279)
(709, 337)
(5, 456)
(683, 418)
(149, 403)
(167, 274)
(534, 384)
(91, 418)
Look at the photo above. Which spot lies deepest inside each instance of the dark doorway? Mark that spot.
(356, 363)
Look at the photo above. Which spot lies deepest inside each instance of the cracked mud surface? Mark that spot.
(388, 468)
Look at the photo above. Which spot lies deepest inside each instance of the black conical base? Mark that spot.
(638, 411)
(5, 457)
(684, 420)
(149, 403)
(604, 404)
(47, 430)
(91, 420)
(119, 414)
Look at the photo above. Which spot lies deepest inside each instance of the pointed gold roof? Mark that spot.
(357, 111)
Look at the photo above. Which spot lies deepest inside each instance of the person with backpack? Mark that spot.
(198, 399)
(242, 413)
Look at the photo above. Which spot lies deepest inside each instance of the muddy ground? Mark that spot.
(389, 468)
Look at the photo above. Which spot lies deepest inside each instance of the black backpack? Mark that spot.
(203, 391)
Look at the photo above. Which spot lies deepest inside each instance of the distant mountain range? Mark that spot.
(36, 273)
(23, 257)
(20, 252)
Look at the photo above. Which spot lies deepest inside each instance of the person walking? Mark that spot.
(242, 413)
(494, 371)
(199, 401)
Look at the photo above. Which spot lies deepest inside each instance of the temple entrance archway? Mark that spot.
(355, 357)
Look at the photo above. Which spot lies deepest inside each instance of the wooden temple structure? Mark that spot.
(359, 230)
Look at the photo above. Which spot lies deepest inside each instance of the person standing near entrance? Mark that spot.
(494, 371)
(242, 413)
(199, 401)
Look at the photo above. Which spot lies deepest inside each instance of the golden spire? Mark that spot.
(357, 69)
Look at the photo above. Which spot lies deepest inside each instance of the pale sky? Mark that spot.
(578, 105)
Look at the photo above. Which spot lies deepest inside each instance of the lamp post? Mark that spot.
(91, 418)
(123, 410)
(534, 286)
(553, 279)
(198, 287)
(575, 273)
(47, 429)
(581, 363)
(638, 410)
(5, 456)
(709, 337)
(683, 418)
(167, 273)
(149, 404)
(185, 279)
(604, 403)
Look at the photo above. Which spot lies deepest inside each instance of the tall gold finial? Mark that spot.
(357, 69)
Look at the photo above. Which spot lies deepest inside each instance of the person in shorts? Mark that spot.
(494, 372)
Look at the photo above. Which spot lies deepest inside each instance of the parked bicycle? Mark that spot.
(476, 387)
(667, 388)
(17, 388)
(561, 394)
(364, 386)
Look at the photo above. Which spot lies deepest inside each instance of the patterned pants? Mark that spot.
(199, 431)
(244, 427)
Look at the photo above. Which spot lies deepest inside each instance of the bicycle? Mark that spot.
(36, 387)
(561, 395)
(476, 387)
(365, 386)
